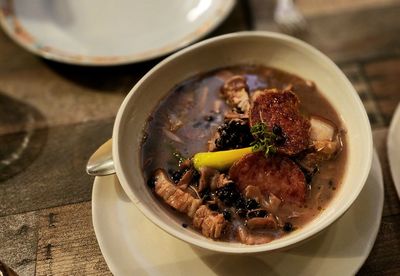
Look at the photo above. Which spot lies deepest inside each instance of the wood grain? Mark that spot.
(67, 244)
(18, 242)
(319, 7)
(344, 35)
(385, 255)
(354, 72)
(383, 76)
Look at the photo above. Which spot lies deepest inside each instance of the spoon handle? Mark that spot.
(101, 162)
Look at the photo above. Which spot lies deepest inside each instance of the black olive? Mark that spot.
(206, 194)
(209, 118)
(280, 140)
(241, 213)
(213, 207)
(195, 177)
(277, 130)
(227, 215)
(257, 214)
(151, 182)
(228, 194)
(252, 204)
(287, 227)
(233, 134)
(175, 175)
(240, 203)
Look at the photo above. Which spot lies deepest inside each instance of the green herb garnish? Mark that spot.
(264, 139)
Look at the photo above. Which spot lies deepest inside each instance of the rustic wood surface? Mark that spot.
(53, 116)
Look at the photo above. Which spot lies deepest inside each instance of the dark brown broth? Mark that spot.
(194, 100)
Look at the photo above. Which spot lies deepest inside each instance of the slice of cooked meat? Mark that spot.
(280, 109)
(207, 177)
(252, 238)
(326, 143)
(268, 222)
(325, 137)
(276, 174)
(235, 92)
(212, 224)
(173, 196)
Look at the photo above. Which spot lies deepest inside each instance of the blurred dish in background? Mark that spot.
(101, 32)
(393, 148)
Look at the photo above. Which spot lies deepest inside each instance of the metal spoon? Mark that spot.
(101, 162)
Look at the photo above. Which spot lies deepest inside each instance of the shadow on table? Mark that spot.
(23, 134)
(104, 78)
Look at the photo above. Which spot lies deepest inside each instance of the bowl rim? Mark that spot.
(215, 245)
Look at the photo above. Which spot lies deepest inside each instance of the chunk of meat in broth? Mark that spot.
(235, 91)
(326, 143)
(280, 110)
(274, 174)
(180, 200)
(211, 223)
(247, 237)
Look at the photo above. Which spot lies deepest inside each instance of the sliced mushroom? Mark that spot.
(268, 222)
(207, 176)
(186, 179)
(252, 238)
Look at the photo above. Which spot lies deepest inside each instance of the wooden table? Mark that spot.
(53, 116)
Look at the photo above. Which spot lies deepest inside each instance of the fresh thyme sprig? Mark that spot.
(264, 139)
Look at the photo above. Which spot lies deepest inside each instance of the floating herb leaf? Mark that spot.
(264, 139)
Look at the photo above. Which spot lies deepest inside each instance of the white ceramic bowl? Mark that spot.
(270, 49)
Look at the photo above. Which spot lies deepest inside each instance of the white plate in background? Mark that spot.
(132, 245)
(393, 148)
(103, 32)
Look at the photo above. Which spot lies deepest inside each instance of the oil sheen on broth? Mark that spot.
(188, 117)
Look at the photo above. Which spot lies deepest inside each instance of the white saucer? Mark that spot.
(393, 149)
(132, 245)
(103, 32)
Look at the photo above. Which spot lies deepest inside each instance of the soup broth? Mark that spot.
(187, 119)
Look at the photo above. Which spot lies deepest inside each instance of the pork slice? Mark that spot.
(281, 108)
(173, 196)
(212, 224)
(235, 91)
(276, 175)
